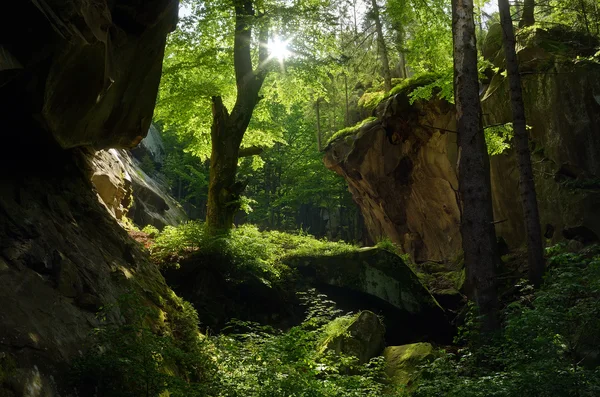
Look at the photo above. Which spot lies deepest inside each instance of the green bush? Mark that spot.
(549, 345)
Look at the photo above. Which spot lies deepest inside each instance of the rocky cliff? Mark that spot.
(76, 73)
(401, 167)
(127, 190)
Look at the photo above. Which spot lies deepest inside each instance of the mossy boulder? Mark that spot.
(361, 336)
(373, 271)
(377, 280)
(402, 363)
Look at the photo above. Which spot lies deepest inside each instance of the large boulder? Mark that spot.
(377, 280)
(406, 190)
(125, 189)
(72, 73)
(362, 337)
(402, 363)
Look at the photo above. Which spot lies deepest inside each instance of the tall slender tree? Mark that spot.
(227, 129)
(521, 143)
(385, 62)
(477, 228)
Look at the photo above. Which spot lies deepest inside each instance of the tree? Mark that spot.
(385, 63)
(228, 130)
(477, 227)
(527, 18)
(521, 144)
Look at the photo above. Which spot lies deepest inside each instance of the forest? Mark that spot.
(301, 198)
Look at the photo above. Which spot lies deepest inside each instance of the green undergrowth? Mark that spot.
(140, 355)
(244, 247)
(549, 344)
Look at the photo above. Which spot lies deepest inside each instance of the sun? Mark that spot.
(278, 49)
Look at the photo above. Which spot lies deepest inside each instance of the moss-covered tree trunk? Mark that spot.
(533, 229)
(477, 228)
(385, 62)
(227, 129)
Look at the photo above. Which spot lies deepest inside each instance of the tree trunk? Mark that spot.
(477, 228)
(318, 106)
(228, 130)
(521, 142)
(385, 63)
(528, 18)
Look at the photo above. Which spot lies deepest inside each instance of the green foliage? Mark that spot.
(151, 231)
(262, 363)
(245, 247)
(442, 87)
(549, 344)
(137, 357)
(370, 100)
(498, 137)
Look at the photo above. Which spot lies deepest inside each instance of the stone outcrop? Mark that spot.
(377, 280)
(401, 168)
(87, 69)
(72, 73)
(402, 363)
(126, 189)
(406, 190)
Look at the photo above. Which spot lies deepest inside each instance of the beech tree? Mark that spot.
(477, 227)
(533, 230)
(228, 129)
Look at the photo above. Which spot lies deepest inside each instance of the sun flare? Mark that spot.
(278, 49)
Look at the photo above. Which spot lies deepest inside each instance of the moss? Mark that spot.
(370, 100)
(403, 362)
(335, 329)
(350, 130)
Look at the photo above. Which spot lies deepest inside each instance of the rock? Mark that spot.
(151, 146)
(402, 363)
(57, 242)
(112, 182)
(67, 68)
(362, 337)
(377, 280)
(125, 189)
(408, 191)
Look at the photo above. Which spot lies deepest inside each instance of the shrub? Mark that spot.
(547, 345)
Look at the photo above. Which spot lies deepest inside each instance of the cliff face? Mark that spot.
(563, 109)
(407, 190)
(72, 73)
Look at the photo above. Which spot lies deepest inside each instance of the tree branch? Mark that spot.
(250, 151)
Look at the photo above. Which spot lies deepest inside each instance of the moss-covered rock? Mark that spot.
(402, 363)
(378, 280)
(361, 336)
(372, 271)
